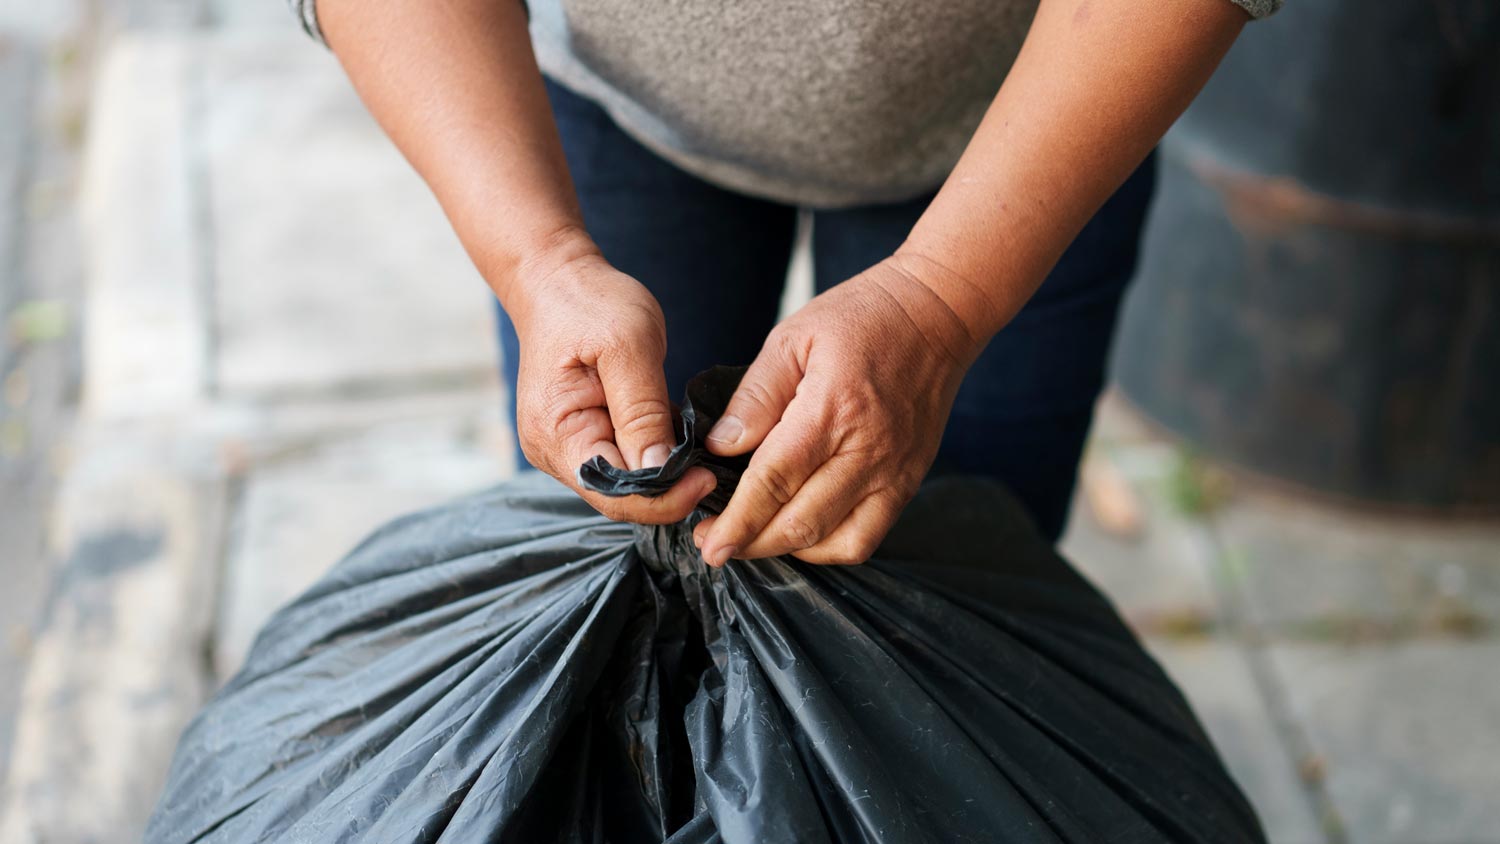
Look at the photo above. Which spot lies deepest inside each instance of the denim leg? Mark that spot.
(1024, 409)
(715, 260)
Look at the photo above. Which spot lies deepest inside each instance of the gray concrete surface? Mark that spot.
(41, 93)
(232, 444)
(1215, 676)
(1406, 733)
(118, 666)
(410, 308)
(1161, 578)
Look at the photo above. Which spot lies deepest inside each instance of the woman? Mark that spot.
(629, 190)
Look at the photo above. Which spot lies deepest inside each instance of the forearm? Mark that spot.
(457, 88)
(1096, 85)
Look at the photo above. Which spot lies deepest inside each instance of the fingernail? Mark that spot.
(655, 456)
(721, 556)
(727, 430)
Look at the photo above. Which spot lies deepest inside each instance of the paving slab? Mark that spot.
(1159, 578)
(302, 511)
(333, 265)
(1216, 678)
(256, 432)
(118, 664)
(1409, 736)
(145, 342)
(1316, 572)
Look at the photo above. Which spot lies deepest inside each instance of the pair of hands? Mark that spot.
(844, 406)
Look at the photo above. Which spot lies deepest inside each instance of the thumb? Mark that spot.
(635, 393)
(766, 389)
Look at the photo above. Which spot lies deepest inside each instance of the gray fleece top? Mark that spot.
(820, 103)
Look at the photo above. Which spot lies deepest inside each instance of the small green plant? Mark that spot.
(1197, 487)
(39, 321)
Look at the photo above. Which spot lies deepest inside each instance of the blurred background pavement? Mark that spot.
(239, 335)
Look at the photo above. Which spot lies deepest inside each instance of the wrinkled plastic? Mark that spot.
(515, 668)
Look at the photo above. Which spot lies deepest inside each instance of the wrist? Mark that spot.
(535, 266)
(936, 315)
(970, 302)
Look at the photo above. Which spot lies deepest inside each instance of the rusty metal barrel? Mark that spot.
(1319, 292)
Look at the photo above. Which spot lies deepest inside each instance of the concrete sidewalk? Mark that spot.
(285, 346)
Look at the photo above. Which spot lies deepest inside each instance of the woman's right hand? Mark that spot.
(469, 110)
(592, 345)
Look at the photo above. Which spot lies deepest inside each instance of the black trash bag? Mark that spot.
(514, 667)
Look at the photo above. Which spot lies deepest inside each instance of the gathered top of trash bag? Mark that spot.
(513, 667)
(707, 396)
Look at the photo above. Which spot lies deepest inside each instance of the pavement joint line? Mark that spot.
(234, 499)
(379, 387)
(1251, 639)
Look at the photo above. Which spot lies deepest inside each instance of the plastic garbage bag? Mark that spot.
(515, 668)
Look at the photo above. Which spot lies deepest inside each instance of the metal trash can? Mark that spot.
(1319, 292)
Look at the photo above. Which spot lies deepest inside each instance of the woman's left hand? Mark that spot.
(845, 406)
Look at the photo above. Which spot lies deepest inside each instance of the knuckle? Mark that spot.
(799, 532)
(639, 330)
(776, 482)
(857, 411)
(645, 416)
(754, 397)
(903, 486)
(843, 551)
(570, 386)
(537, 450)
(785, 342)
(573, 425)
(858, 548)
(896, 501)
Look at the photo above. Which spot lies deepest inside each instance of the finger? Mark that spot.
(860, 534)
(579, 436)
(635, 392)
(758, 403)
(700, 531)
(672, 506)
(784, 462)
(585, 434)
(820, 506)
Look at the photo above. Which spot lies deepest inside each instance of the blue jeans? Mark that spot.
(716, 260)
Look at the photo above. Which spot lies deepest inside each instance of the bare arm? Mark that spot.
(456, 86)
(1096, 85)
(843, 436)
